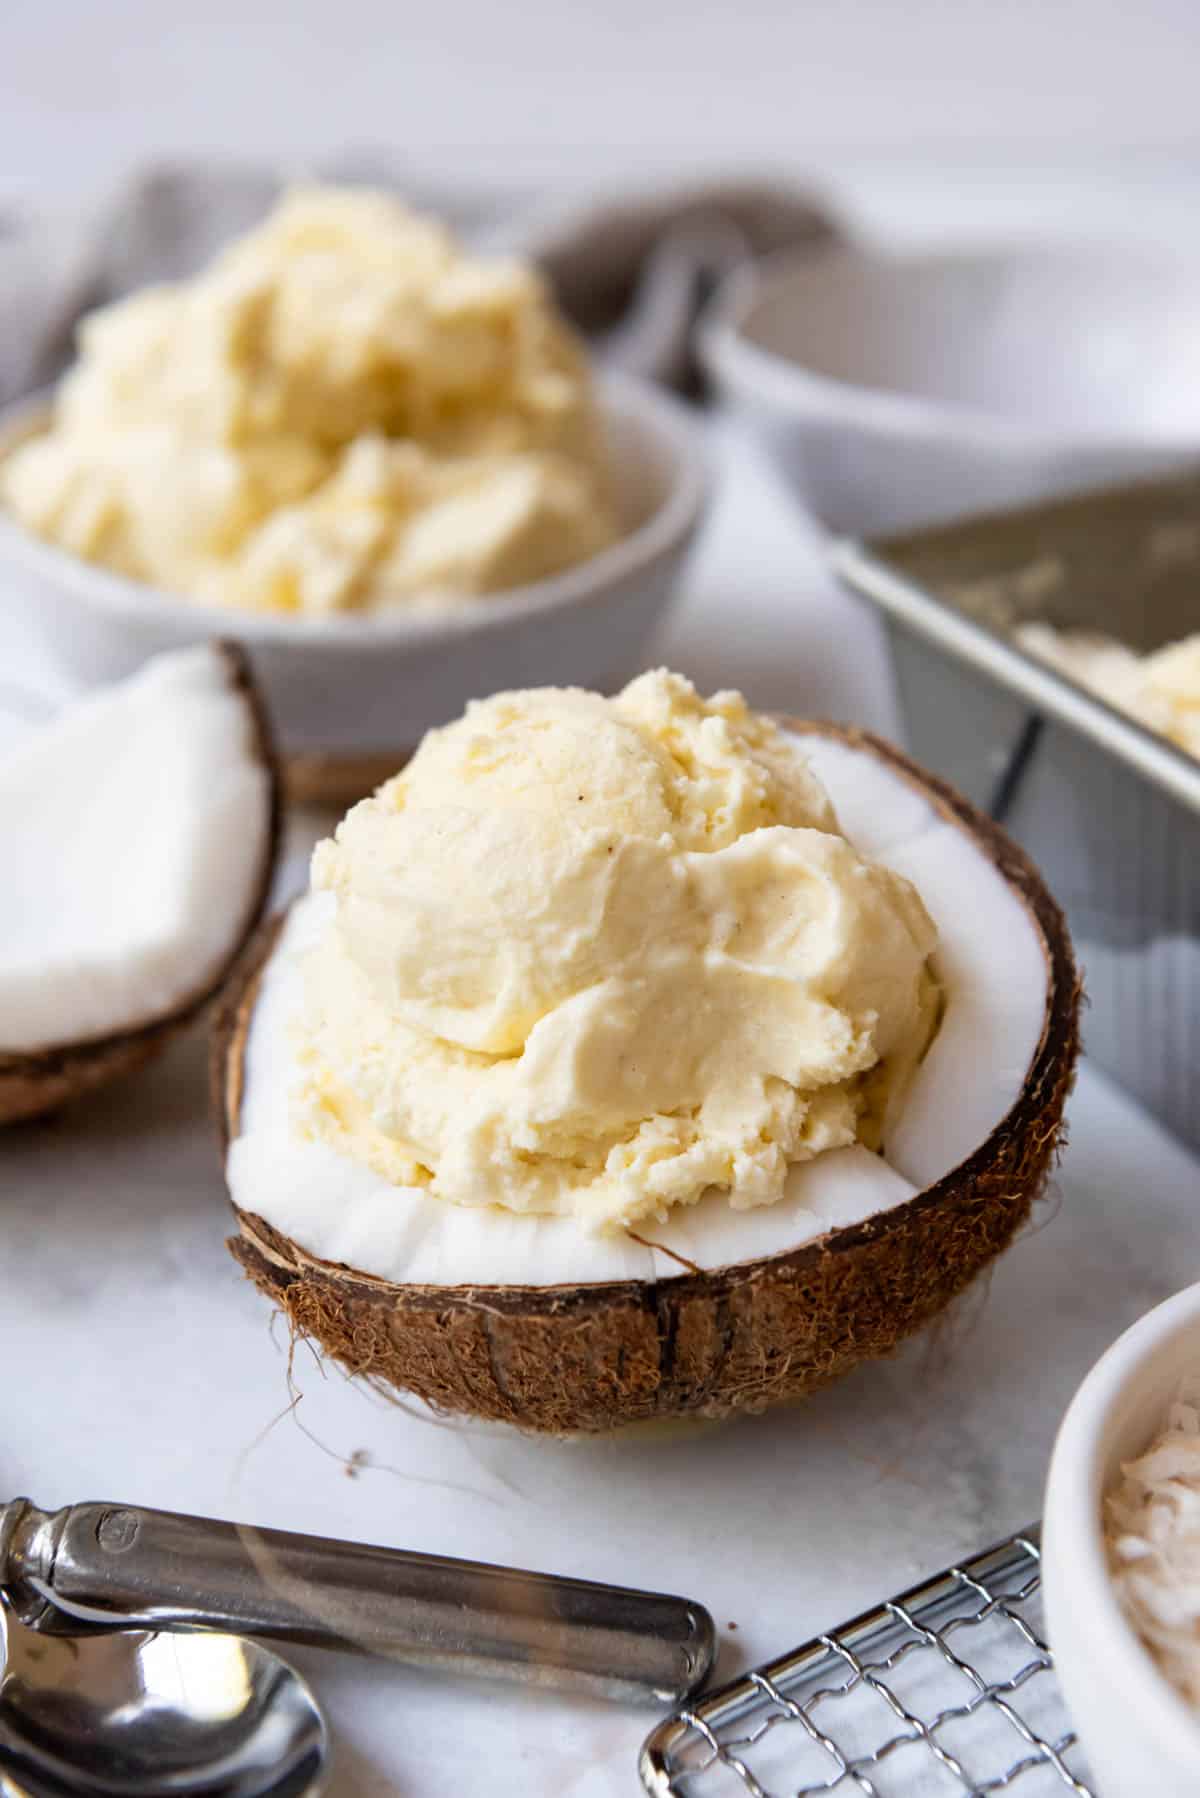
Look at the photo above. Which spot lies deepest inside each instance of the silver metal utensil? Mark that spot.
(122, 1714)
(114, 1565)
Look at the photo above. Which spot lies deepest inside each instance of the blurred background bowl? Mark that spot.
(350, 694)
(1139, 1734)
(898, 391)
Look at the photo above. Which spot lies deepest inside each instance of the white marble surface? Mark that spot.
(139, 1365)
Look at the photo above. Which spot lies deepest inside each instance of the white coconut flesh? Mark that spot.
(993, 967)
(136, 828)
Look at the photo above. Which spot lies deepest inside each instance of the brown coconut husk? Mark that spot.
(41, 1080)
(324, 779)
(569, 1359)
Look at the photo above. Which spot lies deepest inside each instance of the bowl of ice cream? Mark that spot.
(897, 391)
(642, 1058)
(1121, 1557)
(384, 464)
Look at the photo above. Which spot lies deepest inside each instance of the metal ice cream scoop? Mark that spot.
(121, 1566)
(120, 1714)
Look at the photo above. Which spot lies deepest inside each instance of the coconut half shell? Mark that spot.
(40, 1080)
(570, 1358)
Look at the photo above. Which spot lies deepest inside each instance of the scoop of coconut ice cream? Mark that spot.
(531, 849)
(599, 955)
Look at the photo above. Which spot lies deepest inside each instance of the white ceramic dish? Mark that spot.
(357, 687)
(1141, 1738)
(902, 391)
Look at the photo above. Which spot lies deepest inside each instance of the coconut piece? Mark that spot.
(141, 830)
(714, 1310)
(991, 965)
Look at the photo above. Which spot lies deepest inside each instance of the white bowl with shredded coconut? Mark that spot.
(1121, 1557)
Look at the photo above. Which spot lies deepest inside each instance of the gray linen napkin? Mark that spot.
(632, 271)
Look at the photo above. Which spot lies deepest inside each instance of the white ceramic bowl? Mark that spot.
(356, 687)
(901, 391)
(1141, 1738)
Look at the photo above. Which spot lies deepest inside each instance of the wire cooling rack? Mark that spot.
(945, 1691)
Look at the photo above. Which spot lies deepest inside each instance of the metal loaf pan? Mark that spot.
(1110, 811)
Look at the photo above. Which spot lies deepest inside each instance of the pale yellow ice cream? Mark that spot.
(345, 412)
(597, 956)
(1162, 691)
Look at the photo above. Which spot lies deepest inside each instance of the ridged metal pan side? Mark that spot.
(1109, 810)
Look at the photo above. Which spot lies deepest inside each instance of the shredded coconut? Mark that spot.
(1152, 1532)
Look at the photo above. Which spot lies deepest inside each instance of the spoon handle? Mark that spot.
(122, 1565)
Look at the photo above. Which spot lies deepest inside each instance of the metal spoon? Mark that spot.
(130, 1714)
(125, 1565)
